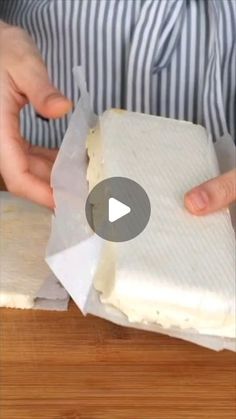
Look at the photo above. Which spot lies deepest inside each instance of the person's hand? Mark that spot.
(24, 79)
(212, 195)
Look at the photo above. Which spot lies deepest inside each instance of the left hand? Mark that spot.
(212, 195)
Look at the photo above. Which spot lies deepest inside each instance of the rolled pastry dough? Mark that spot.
(24, 231)
(180, 271)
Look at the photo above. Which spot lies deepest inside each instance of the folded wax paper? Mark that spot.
(73, 250)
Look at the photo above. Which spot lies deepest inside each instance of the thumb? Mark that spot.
(212, 195)
(52, 103)
(46, 99)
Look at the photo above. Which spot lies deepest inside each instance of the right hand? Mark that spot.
(24, 79)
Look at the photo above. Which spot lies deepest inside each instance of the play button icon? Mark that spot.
(118, 209)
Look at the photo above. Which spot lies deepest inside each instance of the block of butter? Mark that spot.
(180, 271)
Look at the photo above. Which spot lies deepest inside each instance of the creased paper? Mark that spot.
(73, 250)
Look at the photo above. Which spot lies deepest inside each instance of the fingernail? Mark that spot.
(55, 96)
(198, 200)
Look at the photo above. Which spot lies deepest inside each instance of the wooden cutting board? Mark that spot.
(64, 366)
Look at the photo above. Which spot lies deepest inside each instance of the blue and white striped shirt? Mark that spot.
(175, 58)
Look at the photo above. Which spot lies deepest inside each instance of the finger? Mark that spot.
(31, 187)
(212, 195)
(32, 80)
(14, 164)
(40, 167)
(21, 182)
(48, 153)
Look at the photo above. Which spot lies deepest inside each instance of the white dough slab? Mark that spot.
(180, 271)
(73, 251)
(25, 279)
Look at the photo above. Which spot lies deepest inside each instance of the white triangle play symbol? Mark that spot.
(116, 209)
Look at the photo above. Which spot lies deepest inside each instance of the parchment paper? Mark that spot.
(73, 250)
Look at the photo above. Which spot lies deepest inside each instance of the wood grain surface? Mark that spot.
(61, 365)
